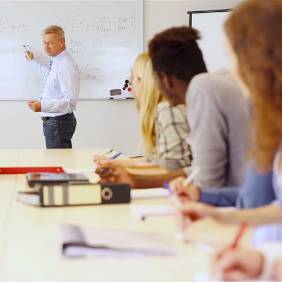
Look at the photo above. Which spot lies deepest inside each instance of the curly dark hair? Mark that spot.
(175, 51)
(254, 30)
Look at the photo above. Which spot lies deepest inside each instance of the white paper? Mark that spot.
(29, 199)
(144, 211)
(151, 193)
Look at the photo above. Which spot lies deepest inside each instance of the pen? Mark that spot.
(191, 176)
(166, 186)
(238, 236)
(111, 150)
(115, 156)
(105, 170)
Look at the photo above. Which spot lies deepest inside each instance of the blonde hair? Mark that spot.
(150, 96)
(56, 30)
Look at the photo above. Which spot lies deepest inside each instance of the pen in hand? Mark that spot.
(106, 170)
(238, 236)
(191, 176)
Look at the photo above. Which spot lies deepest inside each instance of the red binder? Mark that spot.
(25, 169)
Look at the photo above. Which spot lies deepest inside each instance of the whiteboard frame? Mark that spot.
(190, 13)
(208, 45)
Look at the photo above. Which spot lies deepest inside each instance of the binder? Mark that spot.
(64, 194)
(26, 169)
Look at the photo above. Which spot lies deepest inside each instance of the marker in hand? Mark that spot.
(25, 50)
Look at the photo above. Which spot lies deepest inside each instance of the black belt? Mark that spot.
(56, 117)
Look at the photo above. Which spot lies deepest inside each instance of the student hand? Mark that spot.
(29, 55)
(237, 264)
(34, 105)
(189, 212)
(99, 158)
(277, 270)
(110, 171)
(184, 193)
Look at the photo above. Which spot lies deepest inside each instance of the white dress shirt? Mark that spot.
(60, 91)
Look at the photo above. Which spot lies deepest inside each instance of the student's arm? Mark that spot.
(192, 211)
(41, 69)
(257, 189)
(151, 181)
(223, 197)
(109, 171)
(264, 215)
(68, 77)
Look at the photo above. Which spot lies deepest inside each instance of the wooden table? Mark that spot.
(29, 247)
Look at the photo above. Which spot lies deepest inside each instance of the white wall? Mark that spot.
(101, 123)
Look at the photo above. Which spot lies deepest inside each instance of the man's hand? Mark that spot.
(29, 55)
(110, 171)
(34, 105)
(237, 265)
(184, 193)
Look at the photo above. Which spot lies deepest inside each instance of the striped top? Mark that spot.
(172, 129)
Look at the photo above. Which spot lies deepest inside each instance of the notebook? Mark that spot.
(77, 241)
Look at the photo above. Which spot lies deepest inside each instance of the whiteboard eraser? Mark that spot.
(114, 92)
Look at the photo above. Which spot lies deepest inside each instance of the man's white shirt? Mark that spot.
(61, 89)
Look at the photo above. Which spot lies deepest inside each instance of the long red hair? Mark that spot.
(254, 30)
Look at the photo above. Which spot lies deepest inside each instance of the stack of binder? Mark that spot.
(60, 190)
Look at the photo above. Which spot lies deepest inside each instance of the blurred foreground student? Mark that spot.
(264, 263)
(219, 112)
(254, 34)
(59, 91)
(164, 128)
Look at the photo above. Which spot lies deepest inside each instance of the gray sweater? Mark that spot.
(219, 116)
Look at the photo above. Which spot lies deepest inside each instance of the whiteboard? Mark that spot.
(211, 27)
(104, 38)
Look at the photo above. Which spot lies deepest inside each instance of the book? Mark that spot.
(49, 178)
(77, 241)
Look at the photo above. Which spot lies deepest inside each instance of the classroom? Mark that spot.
(141, 140)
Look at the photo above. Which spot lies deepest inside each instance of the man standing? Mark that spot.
(60, 89)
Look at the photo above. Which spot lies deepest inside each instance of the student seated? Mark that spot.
(164, 128)
(219, 112)
(261, 78)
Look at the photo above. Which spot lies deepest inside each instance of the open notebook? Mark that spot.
(78, 241)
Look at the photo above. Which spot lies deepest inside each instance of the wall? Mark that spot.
(101, 123)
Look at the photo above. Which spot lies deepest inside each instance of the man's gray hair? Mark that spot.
(54, 29)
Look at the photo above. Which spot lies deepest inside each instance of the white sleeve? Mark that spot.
(39, 68)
